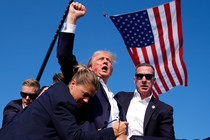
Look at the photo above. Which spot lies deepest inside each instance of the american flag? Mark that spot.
(155, 36)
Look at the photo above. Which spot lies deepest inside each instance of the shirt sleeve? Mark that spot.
(69, 28)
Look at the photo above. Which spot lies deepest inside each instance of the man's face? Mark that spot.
(102, 65)
(144, 81)
(28, 94)
(81, 93)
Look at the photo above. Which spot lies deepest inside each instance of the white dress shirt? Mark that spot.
(69, 28)
(114, 114)
(135, 114)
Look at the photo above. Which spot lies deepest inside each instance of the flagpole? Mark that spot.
(52, 43)
(104, 12)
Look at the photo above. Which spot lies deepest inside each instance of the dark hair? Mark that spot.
(58, 77)
(146, 64)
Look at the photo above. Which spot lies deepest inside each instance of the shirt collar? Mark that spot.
(137, 96)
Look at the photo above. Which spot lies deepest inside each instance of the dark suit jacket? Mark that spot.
(94, 115)
(158, 119)
(11, 109)
(66, 59)
(52, 116)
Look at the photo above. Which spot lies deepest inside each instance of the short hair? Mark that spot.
(32, 83)
(84, 76)
(145, 64)
(112, 56)
(58, 77)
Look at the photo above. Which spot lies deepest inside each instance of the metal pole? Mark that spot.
(53, 43)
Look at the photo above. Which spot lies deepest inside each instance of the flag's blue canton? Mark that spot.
(135, 29)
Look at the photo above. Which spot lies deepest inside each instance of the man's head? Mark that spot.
(58, 77)
(28, 92)
(144, 79)
(101, 63)
(83, 85)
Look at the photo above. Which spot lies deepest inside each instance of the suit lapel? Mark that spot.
(128, 101)
(103, 92)
(149, 111)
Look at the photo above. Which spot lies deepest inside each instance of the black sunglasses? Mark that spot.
(139, 76)
(31, 96)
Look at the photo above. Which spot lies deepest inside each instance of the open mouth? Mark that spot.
(104, 68)
(144, 87)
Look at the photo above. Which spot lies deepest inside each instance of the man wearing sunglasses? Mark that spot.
(146, 115)
(28, 94)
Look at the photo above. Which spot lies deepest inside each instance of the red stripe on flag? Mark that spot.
(171, 41)
(134, 56)
(157, 88)
(146, 58)
(157, 67)
(179, 26)
(163, 47)
(155, 94)
(172, 47)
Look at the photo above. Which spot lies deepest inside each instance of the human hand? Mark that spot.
(119, 128)
(76, 10)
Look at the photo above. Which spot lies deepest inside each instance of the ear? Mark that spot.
(72, 83)
(112, 69)
(134, 79)
(154, 80)
(90, 67)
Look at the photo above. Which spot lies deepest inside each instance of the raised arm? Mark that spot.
(65, 56)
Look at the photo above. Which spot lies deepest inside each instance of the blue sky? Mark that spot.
(27, 29)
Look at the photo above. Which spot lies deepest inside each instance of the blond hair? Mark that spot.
(83, 76)
(32, 83)
(112, 56)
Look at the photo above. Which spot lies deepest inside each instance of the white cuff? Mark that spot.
(69, 28)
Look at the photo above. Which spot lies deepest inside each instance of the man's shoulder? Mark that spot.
(124, 93)
(15, 102)
(58, 87)
(14, 105)
(162, 104)
(57, 92)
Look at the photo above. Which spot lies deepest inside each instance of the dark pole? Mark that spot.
(53, 42)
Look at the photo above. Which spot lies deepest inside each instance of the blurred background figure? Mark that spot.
(28, 94)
